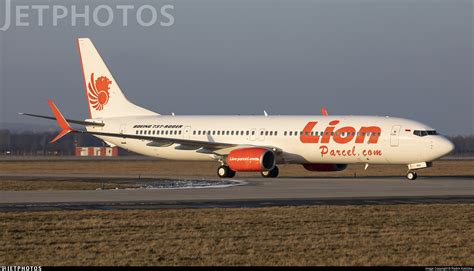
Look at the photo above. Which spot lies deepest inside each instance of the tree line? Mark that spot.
(37, 143)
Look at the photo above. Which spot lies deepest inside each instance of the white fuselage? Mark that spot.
(332, 139)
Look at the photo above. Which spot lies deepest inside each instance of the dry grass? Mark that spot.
(38, 184)
(315, 235)
(174, 168)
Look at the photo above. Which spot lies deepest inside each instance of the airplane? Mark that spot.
(247, 143)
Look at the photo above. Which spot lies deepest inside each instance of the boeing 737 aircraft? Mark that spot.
(248, 143)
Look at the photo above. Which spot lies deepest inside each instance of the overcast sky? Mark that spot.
(411, 59)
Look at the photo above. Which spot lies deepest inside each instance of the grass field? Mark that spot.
(315, 235)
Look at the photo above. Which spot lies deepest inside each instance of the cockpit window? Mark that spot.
(424, 132)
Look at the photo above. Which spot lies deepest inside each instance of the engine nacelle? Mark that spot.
(325, 167)
(251, 159)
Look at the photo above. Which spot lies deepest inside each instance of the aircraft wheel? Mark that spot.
(225, 172)
(411, 175)
(271, 173)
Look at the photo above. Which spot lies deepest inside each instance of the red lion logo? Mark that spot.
(99, 92)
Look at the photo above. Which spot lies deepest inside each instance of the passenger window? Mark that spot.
(253, 132)
(291, 133)
(194, 132)
(247, 133)
(271, 133)
(284, 133)
(276, 133)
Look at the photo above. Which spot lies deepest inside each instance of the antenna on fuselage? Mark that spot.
(324, 112)
(265, 113)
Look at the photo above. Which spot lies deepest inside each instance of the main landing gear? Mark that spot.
(411, 175)
(225, 172)
(271, 173)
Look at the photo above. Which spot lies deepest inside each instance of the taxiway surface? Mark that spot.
(254, 192)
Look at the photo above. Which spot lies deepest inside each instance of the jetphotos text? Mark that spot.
(85, 15)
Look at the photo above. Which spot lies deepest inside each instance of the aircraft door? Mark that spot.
(394, 135)
(123, 131)
(261, 134)
(187, 132)
(253, 134)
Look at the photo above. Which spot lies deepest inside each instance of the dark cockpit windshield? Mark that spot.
(424, 132)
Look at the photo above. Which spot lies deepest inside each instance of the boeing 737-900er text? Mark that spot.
(248, 143)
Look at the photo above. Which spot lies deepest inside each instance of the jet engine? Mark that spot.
(325, 167)
(251, 159)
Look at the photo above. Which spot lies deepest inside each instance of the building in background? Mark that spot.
(97, 151)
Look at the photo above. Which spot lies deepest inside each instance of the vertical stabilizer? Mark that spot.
(104, 96)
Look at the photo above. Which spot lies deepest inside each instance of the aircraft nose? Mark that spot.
(444, 146)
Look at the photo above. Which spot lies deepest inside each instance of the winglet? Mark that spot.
(63, 124)
(324, 112)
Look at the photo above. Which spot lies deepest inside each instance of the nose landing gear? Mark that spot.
(411, 175)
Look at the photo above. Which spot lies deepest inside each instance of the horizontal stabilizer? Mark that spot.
(85, 123)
